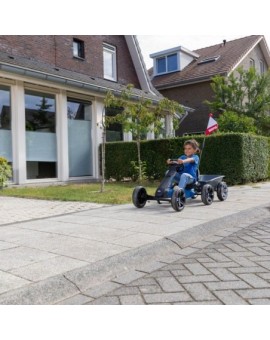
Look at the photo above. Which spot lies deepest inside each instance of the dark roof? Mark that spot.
(230, 54)
(36, 69)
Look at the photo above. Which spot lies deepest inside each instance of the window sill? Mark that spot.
(79, 58)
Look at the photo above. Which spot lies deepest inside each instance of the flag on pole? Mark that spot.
(212, 125)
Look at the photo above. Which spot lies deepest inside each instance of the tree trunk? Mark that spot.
(139, 159)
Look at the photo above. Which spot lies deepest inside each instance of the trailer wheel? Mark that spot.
(178, 199)
(139, 197)
(222, 191)
(207, 194)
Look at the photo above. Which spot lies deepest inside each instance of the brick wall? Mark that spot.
(192, 96)
(57, 51)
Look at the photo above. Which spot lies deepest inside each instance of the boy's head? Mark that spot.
(191, 146)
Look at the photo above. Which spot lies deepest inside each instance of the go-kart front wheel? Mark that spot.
(207, 194)
(139, 197)
(222, 191)
(178, 199)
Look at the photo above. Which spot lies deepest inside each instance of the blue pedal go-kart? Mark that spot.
(168, 191)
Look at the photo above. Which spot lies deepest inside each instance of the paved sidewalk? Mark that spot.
(232, 270)
(58, 252)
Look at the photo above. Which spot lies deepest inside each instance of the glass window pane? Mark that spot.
(172, 62)
(114, 132)
(5, 114)
(79, 138)
(40, 125)
(5, 124)
(161, 65)
(108, 64)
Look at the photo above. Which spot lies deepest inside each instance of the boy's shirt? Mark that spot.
(191, 168)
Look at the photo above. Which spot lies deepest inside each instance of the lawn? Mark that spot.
(115, 193)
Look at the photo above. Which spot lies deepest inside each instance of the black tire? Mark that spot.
(139, 197)
(178, 199)
(222, 191)
(207, 194)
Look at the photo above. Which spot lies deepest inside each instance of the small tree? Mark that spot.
(244, 93)
(231, 122)
(140, 116)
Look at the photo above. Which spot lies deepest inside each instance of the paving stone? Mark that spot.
(265, 264)
(218, 257)
(148, 289)
(254, 293)
(259, 301)
(197, 278)
(255, 269)
(166, 297)
(226, 285)
(260, 251)
(229, 297)
(199, 292)
(205, 260)
(235, 247)
(265, 276)
(197, 269)
(209, 302)
(224, 274)
(222, 265)
(254, 280)
(169, 284)
(131, 300)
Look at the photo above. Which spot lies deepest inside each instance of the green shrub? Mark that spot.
(5, 171)
(240, 157)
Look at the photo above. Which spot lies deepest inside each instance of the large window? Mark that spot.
(5, 124)
(109, 62)
(40, 125)
(79, 137)
(166, 64)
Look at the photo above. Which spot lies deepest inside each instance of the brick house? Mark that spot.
(52, 91)
(185, 76)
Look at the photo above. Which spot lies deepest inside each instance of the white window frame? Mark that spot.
(112, 50)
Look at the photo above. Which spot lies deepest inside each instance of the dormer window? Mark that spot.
(172, 60)
(167, 64)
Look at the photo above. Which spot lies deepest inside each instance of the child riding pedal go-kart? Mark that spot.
(182, 181)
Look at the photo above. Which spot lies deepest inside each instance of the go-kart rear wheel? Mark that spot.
(178, 199)
(139, 197)
(207, 194)
(222, 191)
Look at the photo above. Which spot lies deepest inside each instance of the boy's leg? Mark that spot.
(185, 179)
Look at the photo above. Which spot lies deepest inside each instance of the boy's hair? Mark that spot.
(195, 145)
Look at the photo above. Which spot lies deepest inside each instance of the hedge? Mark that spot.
(240, 157)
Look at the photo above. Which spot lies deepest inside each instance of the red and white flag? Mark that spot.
(212, 125)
